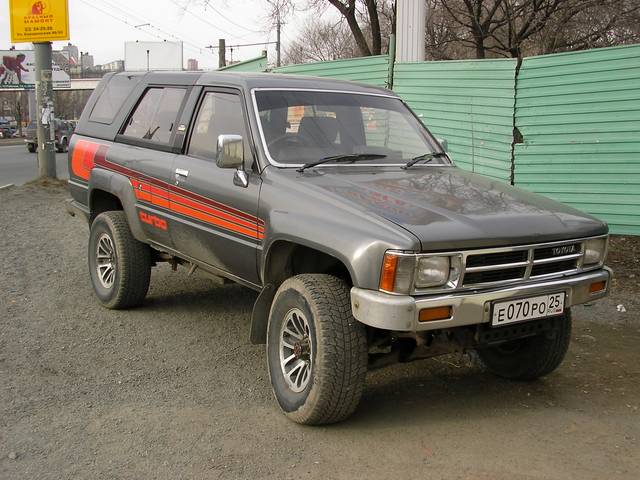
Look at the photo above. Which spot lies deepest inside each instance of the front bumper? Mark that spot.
(400, 312)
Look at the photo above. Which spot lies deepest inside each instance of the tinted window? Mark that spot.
(112, 98)
(155, 116)
(220, 113)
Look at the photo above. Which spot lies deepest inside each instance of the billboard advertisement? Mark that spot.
(142, 56)
(18, 71)
(39, 21)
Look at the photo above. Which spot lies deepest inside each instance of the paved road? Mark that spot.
(18, 166)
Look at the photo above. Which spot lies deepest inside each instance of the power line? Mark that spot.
(184, 8)
(243, 45)
(208, 4)
(132, 13)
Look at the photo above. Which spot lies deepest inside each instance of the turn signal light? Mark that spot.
(434, 313)
(388, 275)
(597, 287)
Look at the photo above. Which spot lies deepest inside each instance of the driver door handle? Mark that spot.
(181, 173)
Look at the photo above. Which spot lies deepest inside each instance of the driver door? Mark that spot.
(217, 220)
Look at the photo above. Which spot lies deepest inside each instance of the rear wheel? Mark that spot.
(119, 265)
(532, 357)
(316, 350)
(31, 147)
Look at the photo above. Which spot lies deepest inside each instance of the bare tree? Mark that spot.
(513, 28)
(321, 41)
(363, 17)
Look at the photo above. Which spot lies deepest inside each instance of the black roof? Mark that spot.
(248, 80)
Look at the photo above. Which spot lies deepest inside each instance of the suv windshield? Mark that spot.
(304, 126)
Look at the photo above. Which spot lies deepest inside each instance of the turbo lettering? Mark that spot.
(153, 220)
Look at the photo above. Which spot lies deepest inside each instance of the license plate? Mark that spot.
(527, 309)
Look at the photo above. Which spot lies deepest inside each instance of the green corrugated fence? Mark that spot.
(579, 115)
(371, 70)
(468, 102)
(257, 64)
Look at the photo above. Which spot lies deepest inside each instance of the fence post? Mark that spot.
(391, 58)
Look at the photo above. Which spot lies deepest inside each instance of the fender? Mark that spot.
(119, 186)
(262, 305)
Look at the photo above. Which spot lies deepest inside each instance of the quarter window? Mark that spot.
(155, 117)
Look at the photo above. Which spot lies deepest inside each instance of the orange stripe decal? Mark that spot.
(82, 159)
(194, 209)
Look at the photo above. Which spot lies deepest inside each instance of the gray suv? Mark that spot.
(367, 245)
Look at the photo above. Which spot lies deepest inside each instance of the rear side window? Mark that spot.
(155, 117)
(112, 98)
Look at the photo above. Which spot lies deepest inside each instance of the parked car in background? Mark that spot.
(8, 127)
(63, 131)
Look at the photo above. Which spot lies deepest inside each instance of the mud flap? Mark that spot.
(260, 314)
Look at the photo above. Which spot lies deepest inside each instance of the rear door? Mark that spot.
(144, 152)
(218, 219)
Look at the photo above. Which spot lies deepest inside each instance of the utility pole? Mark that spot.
(44, 111)
(278, 26)
(221, 53)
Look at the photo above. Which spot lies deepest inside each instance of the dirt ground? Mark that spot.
(175, 390)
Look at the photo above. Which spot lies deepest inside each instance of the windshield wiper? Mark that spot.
(426, 156)
(347, 157)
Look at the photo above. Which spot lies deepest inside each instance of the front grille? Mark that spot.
(491, 276)
(520, 263)
(556, 267)
(484, 259)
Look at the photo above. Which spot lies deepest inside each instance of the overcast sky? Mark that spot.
(102, 26)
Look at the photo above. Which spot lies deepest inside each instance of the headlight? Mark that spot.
(594, 251)
(432, 271)
(402, 272)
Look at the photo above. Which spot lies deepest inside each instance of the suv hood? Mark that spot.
(449, 208)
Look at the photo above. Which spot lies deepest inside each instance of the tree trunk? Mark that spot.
(479, 42)
(348, 11)
(376, 39)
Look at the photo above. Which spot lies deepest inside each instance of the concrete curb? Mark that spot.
(6, 187)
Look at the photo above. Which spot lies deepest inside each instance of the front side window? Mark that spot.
(219, 114)
(305, 126)
(156, 115)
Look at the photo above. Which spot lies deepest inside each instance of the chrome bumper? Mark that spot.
(400, 312)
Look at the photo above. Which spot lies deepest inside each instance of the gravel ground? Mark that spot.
(174, 389)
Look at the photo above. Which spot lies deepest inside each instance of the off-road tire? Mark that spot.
(132, 260)
(339, 343)
(31, 148)
(532, 357)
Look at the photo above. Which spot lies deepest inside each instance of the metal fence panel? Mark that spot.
(470, 103)
(371, 70)
(579, 115)
(257, 64)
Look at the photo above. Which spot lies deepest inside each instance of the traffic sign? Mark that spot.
(39, 20)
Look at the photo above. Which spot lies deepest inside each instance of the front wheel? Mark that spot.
(119, 265)
(316, 350)
(532, 357)
(31, 147)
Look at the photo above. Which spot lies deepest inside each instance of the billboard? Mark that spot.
(142, 56)
(18, 71)
(39, 21)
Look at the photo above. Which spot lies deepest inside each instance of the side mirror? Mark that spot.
(443, 143)
(230, 152)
